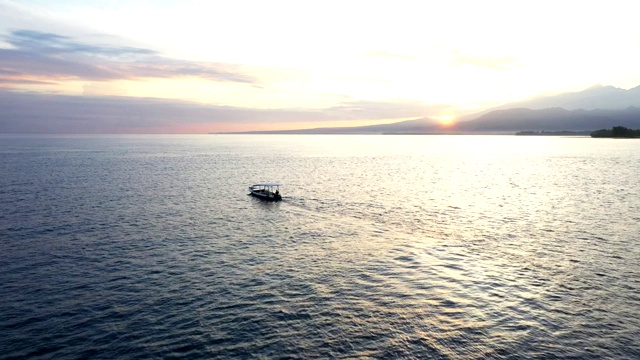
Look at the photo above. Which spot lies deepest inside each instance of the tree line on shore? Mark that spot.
(616, 132)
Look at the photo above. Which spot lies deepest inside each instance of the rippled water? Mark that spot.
(384, 247)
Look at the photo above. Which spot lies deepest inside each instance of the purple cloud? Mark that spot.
(39, 56)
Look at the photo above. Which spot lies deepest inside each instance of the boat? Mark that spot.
(266, 191)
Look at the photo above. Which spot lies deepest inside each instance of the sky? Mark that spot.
(211, 66)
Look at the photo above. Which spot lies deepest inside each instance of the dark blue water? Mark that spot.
(384, 247)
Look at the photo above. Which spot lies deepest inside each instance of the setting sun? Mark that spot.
(445, 120)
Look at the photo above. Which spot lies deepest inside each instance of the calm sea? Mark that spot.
(440, 247)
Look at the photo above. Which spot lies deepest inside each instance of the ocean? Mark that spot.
(413, 247)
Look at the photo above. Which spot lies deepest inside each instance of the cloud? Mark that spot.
(39, 56)
(17, 81)
(30, 64)
(51, 44)
(491, 62)
(388, 55)
(49, 113)
(358, 110)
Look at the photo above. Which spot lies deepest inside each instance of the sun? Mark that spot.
(445, 120)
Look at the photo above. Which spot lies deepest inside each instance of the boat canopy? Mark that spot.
(267, 184)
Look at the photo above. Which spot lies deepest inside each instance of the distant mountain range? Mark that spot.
(552, 119)
(596, 97)
(598, 107)
(409, 126)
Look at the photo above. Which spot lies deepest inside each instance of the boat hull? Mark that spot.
(266, 197)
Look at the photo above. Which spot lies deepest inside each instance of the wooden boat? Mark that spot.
(266, 191)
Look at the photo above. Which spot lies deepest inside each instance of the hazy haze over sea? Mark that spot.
(384, 246)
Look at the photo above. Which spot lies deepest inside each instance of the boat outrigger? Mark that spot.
(266, 191)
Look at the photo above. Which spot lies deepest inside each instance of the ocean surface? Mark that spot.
(414, 247)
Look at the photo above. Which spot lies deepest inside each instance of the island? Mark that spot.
(616, 132)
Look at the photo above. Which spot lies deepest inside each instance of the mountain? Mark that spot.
(497, 122)
(409, 126)
(552, 119)
(595, 97)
